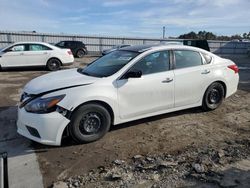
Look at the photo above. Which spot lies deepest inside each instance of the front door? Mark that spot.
(15, 56)
(37, 54)
(151, 93)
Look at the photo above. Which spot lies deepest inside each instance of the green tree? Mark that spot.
(248, 35)
(204, 35)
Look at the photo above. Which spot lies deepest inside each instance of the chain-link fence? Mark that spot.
(98, 43)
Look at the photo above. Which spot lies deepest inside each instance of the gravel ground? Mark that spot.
(176, 142)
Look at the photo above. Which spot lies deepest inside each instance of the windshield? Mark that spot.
(109, 64)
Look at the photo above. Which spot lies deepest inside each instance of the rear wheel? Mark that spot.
(213, 97)
(90, 122)
(53, 64)
(80, 53)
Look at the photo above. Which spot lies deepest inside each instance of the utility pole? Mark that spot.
(163, 32)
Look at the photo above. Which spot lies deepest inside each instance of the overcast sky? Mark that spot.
(126, 17)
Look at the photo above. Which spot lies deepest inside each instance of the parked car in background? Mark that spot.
(245, 40)
(28, 54)
(114, 48)
(171, 43)
(127, 84)
(203, 44)
(78, 48)
(235, 40)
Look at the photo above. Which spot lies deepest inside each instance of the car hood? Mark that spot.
(58, 80)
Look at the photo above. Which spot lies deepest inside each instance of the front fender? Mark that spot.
(78, 96)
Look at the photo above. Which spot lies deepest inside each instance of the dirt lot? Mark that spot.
(171, 134)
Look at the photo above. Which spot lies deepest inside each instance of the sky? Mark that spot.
(132, 18)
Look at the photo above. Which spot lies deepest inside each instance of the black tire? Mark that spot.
(89, 123)
(80, 53)
(53, 64)
(213, 96)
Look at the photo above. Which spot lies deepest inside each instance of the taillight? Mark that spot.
(234, 68)
(69, 52)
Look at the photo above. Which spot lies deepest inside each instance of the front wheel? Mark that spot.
(213, 97)
(90, 122)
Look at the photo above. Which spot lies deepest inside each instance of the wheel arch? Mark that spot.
(224, 86)
(54, 58)
(217, 81)
(80, 49)
(83, 49)
(99, 102)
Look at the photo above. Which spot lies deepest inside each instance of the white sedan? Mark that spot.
(27, 54)
(127, 84)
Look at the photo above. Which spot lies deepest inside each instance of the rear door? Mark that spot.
(37, 54)
(192, 76)
(14, 56)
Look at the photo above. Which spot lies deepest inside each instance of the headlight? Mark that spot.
(43, 105)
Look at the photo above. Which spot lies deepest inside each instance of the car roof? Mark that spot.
(138, 48)
(30, 42)
(143, 48)
(76, 41)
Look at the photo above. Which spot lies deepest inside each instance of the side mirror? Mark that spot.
(133, 74)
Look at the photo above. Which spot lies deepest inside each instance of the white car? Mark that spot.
(27, 54)
(127, 84)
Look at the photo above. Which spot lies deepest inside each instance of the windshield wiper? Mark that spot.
(85, 73)
(80, 70)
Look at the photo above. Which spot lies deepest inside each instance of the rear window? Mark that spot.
(186, 58)
(61, 44)
(38, 47)
(203, 44)
(207, 58)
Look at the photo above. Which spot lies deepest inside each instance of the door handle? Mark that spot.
(167, 80)
(21, 53)
(45, 52)
(205, 71)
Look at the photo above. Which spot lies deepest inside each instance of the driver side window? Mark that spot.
(18, 48)
(153, 63)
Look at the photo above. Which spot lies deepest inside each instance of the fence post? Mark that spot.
(220, 48)
(42, 36)
(1, 173)
(100, 45)
(4, 182)
(9, 38)
(235, 46)
(73, 38)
